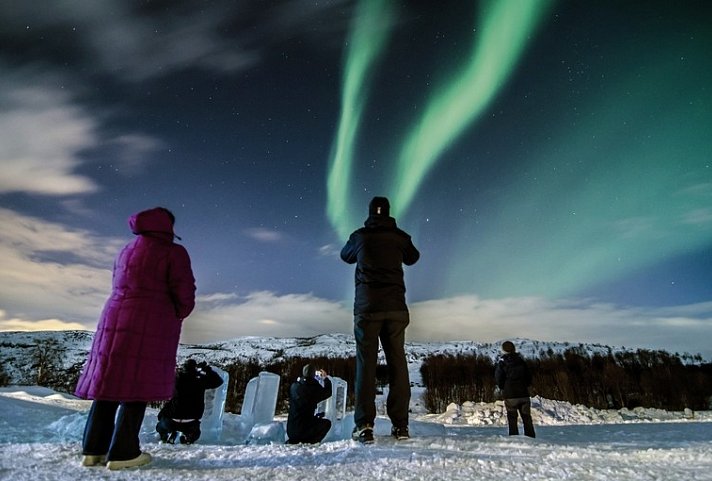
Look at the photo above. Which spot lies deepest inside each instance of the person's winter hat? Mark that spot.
(308, 371)
(508, 347)
(190, 365)
(379, 206)
(156, 220)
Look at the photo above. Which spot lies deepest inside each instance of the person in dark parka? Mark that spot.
(379, 250)
(513, 379)
(304, 425)
(185, 409)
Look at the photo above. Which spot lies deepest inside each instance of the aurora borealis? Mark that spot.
(550, 158)
(627, 187)
(505, 27)
(600, 199)
(370, 29)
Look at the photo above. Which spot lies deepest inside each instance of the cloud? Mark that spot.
(330, 250)
(133, 150)
(113, 35)
(698, 194)
(45, 136)
(264, 235)
(17, 324)
(701, 217)
(634, 227)
(222, 316)
(217, 297)
(702, 190)
(676, 328)
(182, 41)
(265, 313)
(42, 135)
(49, 270)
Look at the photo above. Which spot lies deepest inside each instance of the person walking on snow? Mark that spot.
(513, 379)
(379, 250)
(133, 355)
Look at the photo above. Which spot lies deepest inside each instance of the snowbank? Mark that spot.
(547, 412)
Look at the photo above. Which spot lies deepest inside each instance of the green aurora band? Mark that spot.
(370, 29)
(625, 186)
(505, 30)
(628, 186)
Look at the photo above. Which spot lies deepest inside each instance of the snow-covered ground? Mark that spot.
(40, 439)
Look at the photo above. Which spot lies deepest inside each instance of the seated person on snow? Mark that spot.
(303, 424)
(184, 411)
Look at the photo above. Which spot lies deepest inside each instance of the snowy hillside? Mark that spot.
(19, 350)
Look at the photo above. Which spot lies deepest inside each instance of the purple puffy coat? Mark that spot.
(133, 355)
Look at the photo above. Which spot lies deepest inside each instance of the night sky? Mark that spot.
(551, 160)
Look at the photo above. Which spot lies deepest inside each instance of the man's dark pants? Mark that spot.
(519, 406)
(389, 329)
(312, 433)
(190, 429)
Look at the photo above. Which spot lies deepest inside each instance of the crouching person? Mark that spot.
(303, 424)
(183, 412)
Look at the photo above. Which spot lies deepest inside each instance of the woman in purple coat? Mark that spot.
(133, 355)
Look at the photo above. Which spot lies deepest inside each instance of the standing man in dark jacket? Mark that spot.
(184, 411)
(513, 379)
(303, 424)
(379, 250)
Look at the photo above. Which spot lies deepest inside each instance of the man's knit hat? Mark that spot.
(379, 206)
(508, 347)
(308, 371)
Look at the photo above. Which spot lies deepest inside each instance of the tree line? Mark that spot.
(654, 379)
(611, 380)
